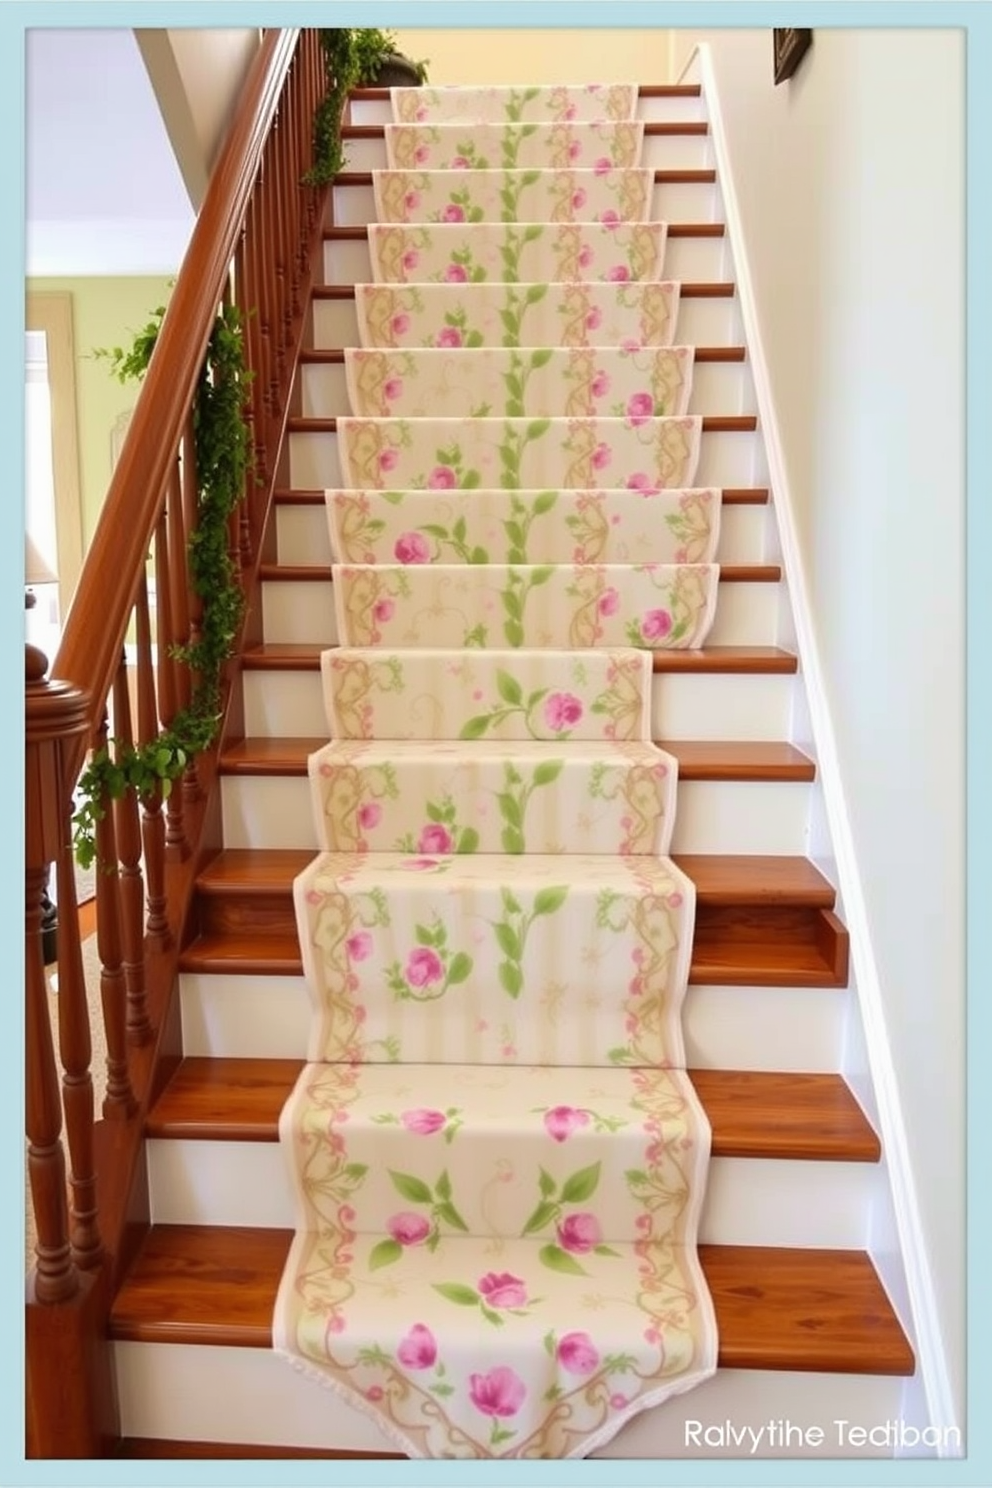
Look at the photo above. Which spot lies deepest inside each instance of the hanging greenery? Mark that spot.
(352, 59)
(223, 455)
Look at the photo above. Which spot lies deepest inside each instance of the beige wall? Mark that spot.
(105, 312)
(196, 75)
(540, 56)
(850, 183)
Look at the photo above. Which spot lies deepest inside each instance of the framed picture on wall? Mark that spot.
(789, 49)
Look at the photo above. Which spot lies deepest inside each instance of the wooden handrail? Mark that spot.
(89, 654)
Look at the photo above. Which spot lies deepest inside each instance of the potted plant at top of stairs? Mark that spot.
(358, 57)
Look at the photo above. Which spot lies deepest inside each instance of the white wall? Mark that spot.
(850, 183)
(196, 75)
(515, 55)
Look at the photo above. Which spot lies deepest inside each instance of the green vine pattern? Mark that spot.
(576, 1189)
(351, 57)
(513, 929)
(514, 799)
(222, 444)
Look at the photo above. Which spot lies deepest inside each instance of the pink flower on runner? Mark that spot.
(609, 219)
(392, 389)
(383, 610)
(619, 274)
(594, 319)
(423, 967)
(359, 946)
(561, 711)
(640, 407)
(600, 385)
(585, 256)
(579, 1233)
(500, 1289)
(423, 1122)
(453, 213)
(420, 865)
(448, 336)
(407, 1228)
(569, 112)
(369, 815)
(400, 324)
(656, 625)
(577, 1354)
(643, 483)
(418, 1350)
(455, 273)
(420, 114)
(459, 163)
(412, 547)
(442, 478)
(374, 1392)
(501, 1392)
(411, 200)
(630, 344)
(609, 602)
(578, 199)
(618, 1401)
(601, 457)
(561, 1121)
(420, 154)
(411, 258)
(388, 459)
(434, 839)
(574, 149)
(602, 166)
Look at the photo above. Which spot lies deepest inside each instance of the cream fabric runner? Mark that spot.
(498, 1158)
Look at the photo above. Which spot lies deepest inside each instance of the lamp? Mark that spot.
(37, 570)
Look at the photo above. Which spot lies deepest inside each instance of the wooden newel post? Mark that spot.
(70, 1405)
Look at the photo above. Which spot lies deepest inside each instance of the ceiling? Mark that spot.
(104, 191)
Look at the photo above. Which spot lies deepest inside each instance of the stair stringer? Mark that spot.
(894, 1241)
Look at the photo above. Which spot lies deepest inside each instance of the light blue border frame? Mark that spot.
(975, 17)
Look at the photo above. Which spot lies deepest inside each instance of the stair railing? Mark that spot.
(252, 246)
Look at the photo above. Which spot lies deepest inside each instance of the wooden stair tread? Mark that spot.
(708, 290)
(812, 1117)
(298, 496)
(721, 879)
(644, 90)
(334, 233)
(334, 356)
(661, 178)
(297, 656)
(698, 759)
(287, 573)
(776, 1308)
(652, 127)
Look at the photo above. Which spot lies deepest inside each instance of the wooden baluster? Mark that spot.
(184, 504)
(270, 278)
(239, 298)
(179, 574)
(165, 634)
(56, 1277)
(76, 1051)
(127, 827)
(152, 822)
(55, 715)
(119, 1102)
(251, 305)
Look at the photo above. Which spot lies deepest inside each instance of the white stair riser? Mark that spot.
(662, 110)
(749, 1201)
(298, 611)
(725, 459)
(695, 260)
(712, 816)
(683, 201)
(701, 322)
(303, 536)
(170, 1391)
(787, 1029)
(661, 152)
(719, 388)
(684, 705)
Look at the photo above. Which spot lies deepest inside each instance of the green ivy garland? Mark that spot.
(223, 453)
(351, 58)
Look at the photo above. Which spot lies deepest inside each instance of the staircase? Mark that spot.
(807, 1333)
